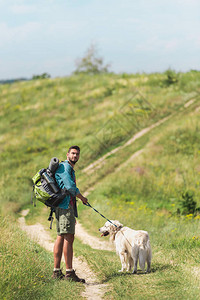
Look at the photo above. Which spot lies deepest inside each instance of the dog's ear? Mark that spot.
(117, 223)
(107, 224)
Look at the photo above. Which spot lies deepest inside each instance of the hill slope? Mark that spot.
(41, 119)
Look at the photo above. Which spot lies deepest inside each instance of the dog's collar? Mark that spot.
(119, 228)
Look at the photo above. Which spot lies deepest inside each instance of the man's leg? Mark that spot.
(68, 254)
(58, 250)
(68, 250)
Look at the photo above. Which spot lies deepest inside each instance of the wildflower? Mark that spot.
(189, 216)
(195, 237)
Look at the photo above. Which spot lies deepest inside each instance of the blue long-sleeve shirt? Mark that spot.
(65, 177)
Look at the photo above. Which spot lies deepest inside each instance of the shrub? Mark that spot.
(42, 76)
(188, 204)
(172, 77)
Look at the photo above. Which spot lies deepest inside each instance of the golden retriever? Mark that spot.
(131, 245)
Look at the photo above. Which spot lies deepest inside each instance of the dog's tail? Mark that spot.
(144, 251)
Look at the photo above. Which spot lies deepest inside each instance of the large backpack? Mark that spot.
(46, 189)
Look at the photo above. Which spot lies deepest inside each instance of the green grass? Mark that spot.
(41, 119)
(26, 268)
(173, 272)
(145, 195)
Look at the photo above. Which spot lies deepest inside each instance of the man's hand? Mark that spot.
(82, 198)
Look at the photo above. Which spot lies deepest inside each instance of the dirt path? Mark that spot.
(98, 163)
(93, 289)
(92, 241)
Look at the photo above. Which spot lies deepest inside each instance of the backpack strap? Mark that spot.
(51, 218)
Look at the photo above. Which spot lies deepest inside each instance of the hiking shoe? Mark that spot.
(71, 275)
(58, 274)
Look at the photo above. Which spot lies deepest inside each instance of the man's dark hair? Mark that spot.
(74, 147)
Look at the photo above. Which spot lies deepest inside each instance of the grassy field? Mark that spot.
(158, 191)
(147, 194)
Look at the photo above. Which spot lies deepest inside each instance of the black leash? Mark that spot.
(88, 204)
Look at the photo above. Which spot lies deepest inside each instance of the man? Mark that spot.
(65, 216)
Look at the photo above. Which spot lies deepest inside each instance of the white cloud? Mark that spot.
(16, 34)
(155, 43)
(189, 2)
(23, 9)
(171, 44)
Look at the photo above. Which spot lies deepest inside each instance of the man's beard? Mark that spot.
(73, 162)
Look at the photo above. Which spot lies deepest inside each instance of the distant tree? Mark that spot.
(91, 63)
(42, 76)
(172, 77)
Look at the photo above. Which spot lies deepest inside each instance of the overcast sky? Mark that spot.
(38, 36)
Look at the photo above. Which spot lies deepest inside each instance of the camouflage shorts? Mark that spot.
(65, 220)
